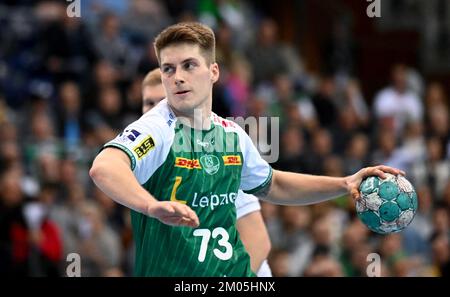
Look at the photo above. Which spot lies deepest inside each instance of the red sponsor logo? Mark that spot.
(187, 163)
(232, 160)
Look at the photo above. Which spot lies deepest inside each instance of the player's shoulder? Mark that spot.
(161, 115)
(159, 120)
(155, 126)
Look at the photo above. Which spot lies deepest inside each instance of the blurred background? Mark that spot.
(350, 91)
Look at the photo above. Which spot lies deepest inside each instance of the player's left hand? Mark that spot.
(173, 213)
(353, 181)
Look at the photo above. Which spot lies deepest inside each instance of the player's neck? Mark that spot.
(197, 123)
(199, 119)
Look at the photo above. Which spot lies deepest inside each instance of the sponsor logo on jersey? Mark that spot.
(210, 163)
(202, 143)
(232, 160)
(171, 119)
(144, 147)
(128, 135)
(207, 141)
(187, 163)
(212, 201)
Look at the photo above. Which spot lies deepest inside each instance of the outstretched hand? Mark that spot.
(353, 181)
(174, 214)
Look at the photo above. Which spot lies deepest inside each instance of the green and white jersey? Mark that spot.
(203, 169)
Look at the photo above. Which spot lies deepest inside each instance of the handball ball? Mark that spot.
(386, 205)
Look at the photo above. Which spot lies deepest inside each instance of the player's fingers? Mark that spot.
(192, 223)
(378, 172)
(392, 170)
(162, 210)
(184, 215)
(168, 207)
(180, 209)
(173, 220)
(355, 194)
(187, 212)
(177, 214)
(195, 222)
(193, 216)
(183, 221)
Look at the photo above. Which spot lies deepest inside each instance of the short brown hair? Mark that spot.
(189, 32)
(153, 78)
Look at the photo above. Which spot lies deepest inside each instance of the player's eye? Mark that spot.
(167, 69)
(189, 65)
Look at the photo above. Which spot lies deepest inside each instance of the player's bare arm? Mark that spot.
(290, 188)
(112, 174)
(257, 243)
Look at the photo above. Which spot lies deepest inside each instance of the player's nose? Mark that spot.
(178, 78)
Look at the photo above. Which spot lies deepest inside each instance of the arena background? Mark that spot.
(326, 68)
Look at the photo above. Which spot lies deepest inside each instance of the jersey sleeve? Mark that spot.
(245, 204)
(147, 144)
(256, 172)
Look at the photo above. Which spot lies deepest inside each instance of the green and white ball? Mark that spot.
(386, 205)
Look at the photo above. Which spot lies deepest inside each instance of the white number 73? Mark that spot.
(206, 235)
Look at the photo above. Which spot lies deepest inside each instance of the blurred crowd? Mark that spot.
(69, 84)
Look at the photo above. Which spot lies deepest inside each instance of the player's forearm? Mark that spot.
(115, 178)
(257, 259)
(259, 251)
(255, 238)
(302, 189)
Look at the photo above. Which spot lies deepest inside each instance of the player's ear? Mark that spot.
(214, 72)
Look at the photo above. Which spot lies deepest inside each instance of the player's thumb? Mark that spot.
(354, 193)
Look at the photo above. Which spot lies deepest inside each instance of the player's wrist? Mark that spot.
(149, 206)
(347, 183)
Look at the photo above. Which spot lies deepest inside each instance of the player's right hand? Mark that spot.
(173, 213)
(353, 181)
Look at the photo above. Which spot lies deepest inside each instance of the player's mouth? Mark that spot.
(182, 92)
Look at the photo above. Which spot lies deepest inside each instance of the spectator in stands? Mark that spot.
(265, 53)
(396, 105)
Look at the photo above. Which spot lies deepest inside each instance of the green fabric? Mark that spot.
(201, 179)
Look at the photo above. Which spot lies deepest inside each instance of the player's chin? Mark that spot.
(184, 106)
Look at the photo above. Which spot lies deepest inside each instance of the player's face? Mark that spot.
(187, 78)
(151, 96)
